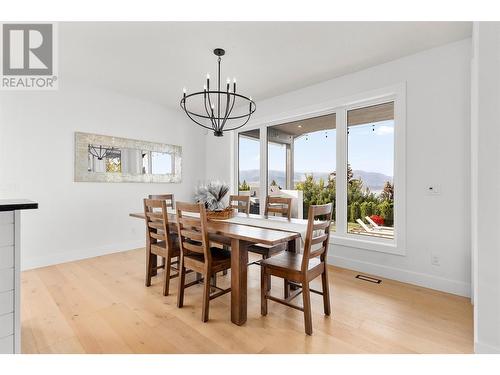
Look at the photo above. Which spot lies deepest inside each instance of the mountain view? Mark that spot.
(375, 181)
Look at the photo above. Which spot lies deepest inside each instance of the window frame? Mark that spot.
(396, 93)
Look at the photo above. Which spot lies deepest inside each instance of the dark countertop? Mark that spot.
(17, 204)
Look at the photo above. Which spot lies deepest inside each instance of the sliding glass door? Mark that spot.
(249, 167)
(301, 162)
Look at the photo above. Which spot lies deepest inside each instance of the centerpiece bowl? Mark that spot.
(224, 214)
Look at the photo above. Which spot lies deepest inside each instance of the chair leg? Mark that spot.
(206, 298)
(225, 247)
(182, 280)
(166, 274)
(326, 292)
(268, 276)
(263, 291)
(149, 265)
(213, 282)
(286, 287)
(306, 295)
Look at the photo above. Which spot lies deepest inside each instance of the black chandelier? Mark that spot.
(219, 104)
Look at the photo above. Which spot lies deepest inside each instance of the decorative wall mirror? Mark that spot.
(101, 158)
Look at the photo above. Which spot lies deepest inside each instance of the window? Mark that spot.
(351, 155)
(370, 171)
(249, 167)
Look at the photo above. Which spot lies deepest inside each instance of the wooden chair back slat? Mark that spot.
(317, 233)
(240, 203)
(192, 235)
(319, 239)
(320, 226)
(279, 205)
(317, 252)
(156, 225)
(240, 208)
(281, 200)
(279, 210)
(154, 214)
(169, 198)
(158, 236)
(324, 209)
(193, 229)
(193, 247)
(188, 221)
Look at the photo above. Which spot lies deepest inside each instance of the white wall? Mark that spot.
(438, 118)
(77, 220)
(486, 224)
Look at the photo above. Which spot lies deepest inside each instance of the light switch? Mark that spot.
(433, 189)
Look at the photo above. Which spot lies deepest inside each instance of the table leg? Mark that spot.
(239, 264)
(293, 245)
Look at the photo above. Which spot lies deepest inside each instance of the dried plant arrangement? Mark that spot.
(213, 195)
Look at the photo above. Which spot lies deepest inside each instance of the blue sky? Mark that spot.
(368, 150)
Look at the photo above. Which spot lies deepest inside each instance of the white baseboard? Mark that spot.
(482, 348)
(69, 256)
(410, 277)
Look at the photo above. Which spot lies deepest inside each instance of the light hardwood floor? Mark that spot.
(101, 305)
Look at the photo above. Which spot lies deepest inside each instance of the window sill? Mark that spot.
(383, 246)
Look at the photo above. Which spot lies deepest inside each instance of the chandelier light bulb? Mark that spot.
(208, 75)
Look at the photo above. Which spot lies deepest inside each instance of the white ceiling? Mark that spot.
(154, 61)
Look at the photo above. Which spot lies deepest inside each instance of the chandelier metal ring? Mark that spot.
(213, 101)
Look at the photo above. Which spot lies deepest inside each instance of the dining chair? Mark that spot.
(240, 203)
(278, 205)
(300, 269)
(197, 254)
(275, 205)
(169, 198)
(159, 241)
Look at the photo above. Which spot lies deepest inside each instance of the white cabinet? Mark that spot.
(7, 345)
(10, 272)
(6, 302)
(7, 281)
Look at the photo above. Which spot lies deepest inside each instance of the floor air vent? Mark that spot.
(369, 279)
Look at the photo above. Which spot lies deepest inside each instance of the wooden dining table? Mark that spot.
(240, 236)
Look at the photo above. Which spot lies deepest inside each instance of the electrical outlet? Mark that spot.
(435, 261)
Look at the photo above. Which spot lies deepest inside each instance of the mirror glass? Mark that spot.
(112, 159)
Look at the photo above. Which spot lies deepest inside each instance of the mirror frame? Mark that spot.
(82, 141)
